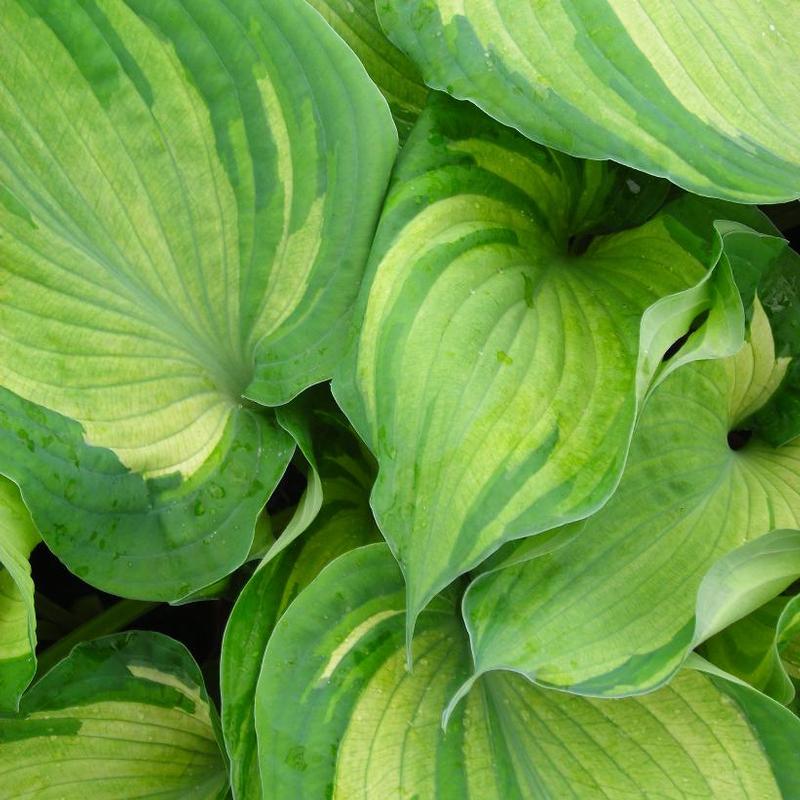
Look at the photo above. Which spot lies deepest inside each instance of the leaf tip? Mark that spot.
(460, 694)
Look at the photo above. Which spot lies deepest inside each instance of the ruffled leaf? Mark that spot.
(674, 557)
(361, 727)
(502, 355)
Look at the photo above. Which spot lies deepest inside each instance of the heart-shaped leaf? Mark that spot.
(693, 92)
(184, 218)
(123, 716)
(616, 609)
(503, 351)
(362, 727)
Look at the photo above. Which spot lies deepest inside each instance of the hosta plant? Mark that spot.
(399, 400)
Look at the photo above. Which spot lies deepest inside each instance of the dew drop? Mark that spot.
(216, 491)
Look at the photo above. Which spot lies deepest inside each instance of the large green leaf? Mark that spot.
(18, 537)
(360, 726)
(499, 366)
(617, 608)
(707, 95)
(121, 717)
(343, 520)
(397, 77)
(187, 194)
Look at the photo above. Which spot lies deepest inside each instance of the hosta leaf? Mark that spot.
(779, 420)
(744, 579)
(145, 538)
(340, 467)
(613, 610)
(791, 662)
(188, 194)
(18, 537)
(498, 368)
(397, 77)
(344, 521)
(751, 648)
(361, 726)
(706, 96)
(124, 716)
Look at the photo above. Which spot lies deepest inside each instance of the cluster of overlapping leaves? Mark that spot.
(550, 529)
